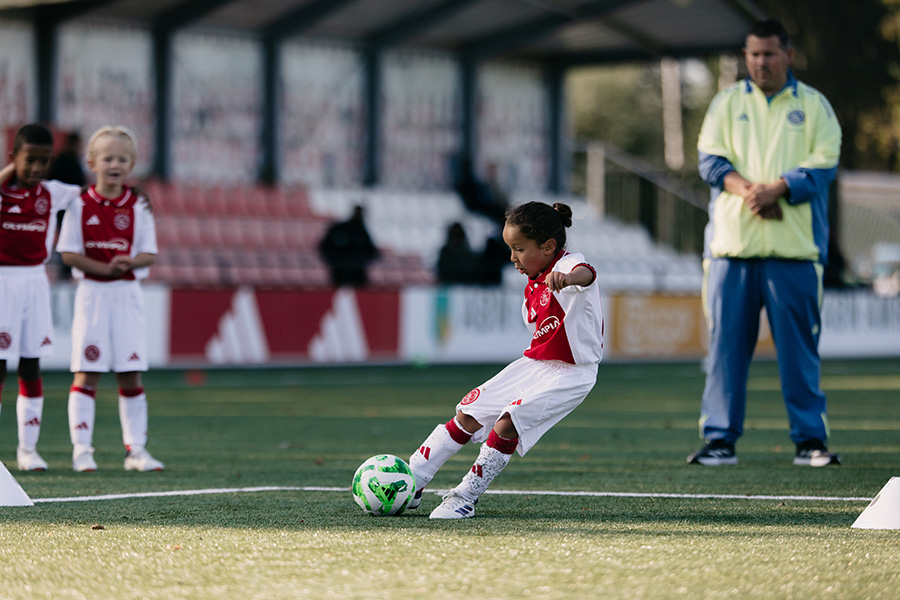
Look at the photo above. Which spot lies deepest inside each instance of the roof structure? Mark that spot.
(556, 33)
(570, 32)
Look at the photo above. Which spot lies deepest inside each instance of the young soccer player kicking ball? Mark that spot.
(109, 239)
(28, 213)
(511, 411)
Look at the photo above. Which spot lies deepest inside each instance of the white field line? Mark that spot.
(440, 492)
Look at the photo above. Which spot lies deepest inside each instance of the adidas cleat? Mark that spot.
(714, 454)
(30, 460)
(815, 454)
(415, 501)
(83, 460)
(138, 459)
(454, 506)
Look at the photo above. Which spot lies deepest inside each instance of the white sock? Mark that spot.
(488, 465)
(82, 408)
(133, 417)
(436, 450)
(28, 415)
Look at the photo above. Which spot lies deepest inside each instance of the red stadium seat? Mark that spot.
(192, 199)
(167, 230)
(253, 232)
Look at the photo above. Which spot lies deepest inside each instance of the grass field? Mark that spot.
(312, 427)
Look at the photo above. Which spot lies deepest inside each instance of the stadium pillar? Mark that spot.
(372, 102)
(268, 168)
(162, 62)
(556, 130)
(45, 53)
(47, 19)
(468, 73)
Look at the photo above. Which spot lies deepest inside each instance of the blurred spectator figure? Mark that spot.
(66, 166)
(457, 263)
(499, 197)
(493, 260)
(347, 248)
(478, 196)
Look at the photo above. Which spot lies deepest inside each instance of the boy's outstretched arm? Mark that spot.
(7, 172)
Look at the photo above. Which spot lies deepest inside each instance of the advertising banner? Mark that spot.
(437, 324)
(247, 326)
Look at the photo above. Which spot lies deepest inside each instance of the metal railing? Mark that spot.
(632, 190)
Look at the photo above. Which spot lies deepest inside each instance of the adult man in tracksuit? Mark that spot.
(769, 149)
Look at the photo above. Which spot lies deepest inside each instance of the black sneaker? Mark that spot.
(714, 454)
(814, 453)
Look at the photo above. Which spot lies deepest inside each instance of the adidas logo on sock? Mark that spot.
(82, 425)
(425, 451)
(35, 422)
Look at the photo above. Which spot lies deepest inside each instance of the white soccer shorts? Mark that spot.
(108, 329)
(26, 322)
(536, 394)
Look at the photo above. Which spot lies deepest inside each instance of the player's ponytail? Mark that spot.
(565, 213)
(540, 222)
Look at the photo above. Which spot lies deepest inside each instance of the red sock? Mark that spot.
(31, 389)
(502, 444)
(83, 390)
(456, 433)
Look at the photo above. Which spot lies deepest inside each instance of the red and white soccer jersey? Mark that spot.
(108, 331)
(559, 368)
(101, 228)
(27, 231)
(567, 325)
(28, 221)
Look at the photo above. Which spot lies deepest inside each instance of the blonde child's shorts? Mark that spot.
(536, 394)
(108, 329)
(26, 322)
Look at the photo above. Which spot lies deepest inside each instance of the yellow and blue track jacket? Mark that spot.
(794, 135)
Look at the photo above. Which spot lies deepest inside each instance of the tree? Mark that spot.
(841, 49)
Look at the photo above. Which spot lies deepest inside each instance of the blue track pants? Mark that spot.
(734, 292)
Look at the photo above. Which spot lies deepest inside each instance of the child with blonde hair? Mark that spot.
(108, 237)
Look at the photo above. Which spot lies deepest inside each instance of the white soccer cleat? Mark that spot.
(415, 501)
(454, 506)
(30, 460)
(138, 459)
(83, 460)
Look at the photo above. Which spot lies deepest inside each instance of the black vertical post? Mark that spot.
(647, 215)
(372, 101)
(45, 53)
(468, 73)
(556, 130)
(268, 168)
(162, 59)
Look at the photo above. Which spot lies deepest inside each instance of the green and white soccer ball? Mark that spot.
(384, 485)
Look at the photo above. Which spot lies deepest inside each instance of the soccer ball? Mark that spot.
(383, 485)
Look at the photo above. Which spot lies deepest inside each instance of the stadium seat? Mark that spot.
(166, 230)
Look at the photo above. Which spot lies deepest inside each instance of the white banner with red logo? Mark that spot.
(245, 326)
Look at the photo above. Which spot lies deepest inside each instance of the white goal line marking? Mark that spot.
(499, 492)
